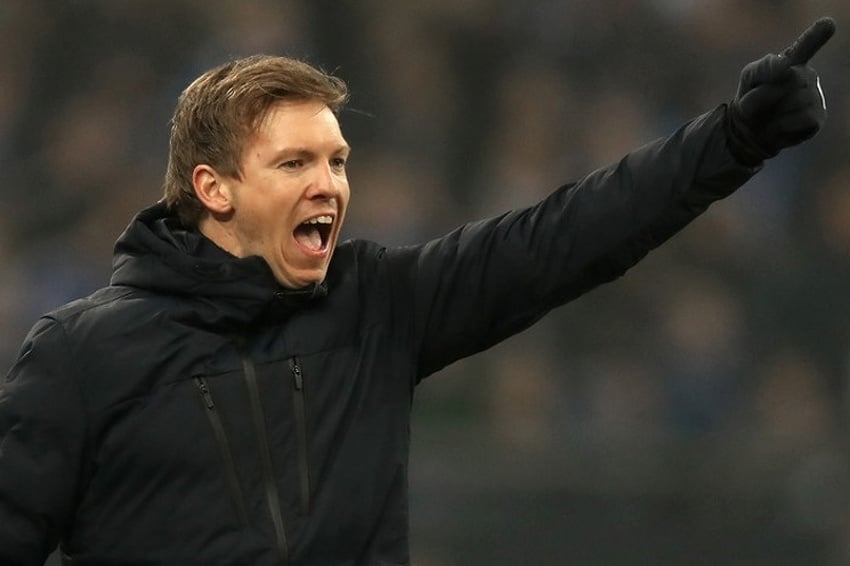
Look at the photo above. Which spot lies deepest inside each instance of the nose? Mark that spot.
(325, 183)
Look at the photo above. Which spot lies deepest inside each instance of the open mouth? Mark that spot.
(314, 234)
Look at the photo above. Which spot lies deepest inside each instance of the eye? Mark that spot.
(291, 164)
(338, 162)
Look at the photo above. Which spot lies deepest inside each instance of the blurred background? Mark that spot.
(694, 411)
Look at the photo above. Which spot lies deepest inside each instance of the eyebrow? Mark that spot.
(304, 152)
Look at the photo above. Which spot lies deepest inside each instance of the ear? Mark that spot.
(212, 189)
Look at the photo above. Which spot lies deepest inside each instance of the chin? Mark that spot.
(301, 281)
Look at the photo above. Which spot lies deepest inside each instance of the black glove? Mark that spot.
(779, 101)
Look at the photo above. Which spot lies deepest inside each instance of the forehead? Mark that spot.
(299, 121)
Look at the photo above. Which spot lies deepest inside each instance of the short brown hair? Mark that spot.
(219, 110)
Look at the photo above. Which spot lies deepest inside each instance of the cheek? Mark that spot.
(257, 225)
(344, 196)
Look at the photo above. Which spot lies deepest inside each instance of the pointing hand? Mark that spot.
(779, 101)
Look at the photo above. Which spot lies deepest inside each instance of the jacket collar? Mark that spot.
(217, 290)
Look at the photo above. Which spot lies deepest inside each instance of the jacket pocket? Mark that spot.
(300, 435)
(228, 463)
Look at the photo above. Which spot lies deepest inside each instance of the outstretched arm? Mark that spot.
(490, 279)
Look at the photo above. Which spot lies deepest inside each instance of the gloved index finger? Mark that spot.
(810, 41)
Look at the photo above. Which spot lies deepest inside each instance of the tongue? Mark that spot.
(309, 237)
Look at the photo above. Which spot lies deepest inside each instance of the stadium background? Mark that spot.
(694, 411)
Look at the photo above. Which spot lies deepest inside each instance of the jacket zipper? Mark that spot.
(300, 434)
(224, 451)
(272, 496)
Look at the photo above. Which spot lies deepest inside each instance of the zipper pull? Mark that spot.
(205, 392)
(296, 373)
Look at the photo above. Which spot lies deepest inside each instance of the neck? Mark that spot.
(221, 234)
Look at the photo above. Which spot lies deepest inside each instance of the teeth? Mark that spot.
(320, 220)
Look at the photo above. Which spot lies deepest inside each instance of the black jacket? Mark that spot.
(194, 412)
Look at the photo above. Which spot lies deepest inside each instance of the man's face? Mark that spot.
(290, 203)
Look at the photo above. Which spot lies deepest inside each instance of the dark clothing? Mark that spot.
(194, 412)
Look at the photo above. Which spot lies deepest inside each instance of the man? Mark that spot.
(241, 391)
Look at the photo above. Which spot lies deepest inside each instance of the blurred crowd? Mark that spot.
(703, 395)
